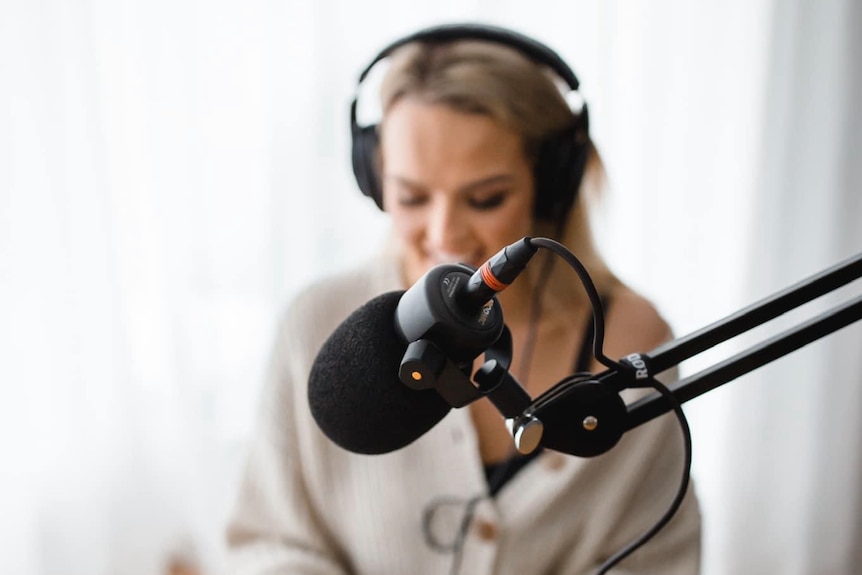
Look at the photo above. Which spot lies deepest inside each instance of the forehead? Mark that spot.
(435, 143)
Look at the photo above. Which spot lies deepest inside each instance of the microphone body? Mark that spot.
(432, 309)
(400, 362)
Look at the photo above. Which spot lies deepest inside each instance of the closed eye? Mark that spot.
(411, 200)
(487, 203)
(409, 194)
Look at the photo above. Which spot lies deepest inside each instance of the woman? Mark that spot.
(476, 149)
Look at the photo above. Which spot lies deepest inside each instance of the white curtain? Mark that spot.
(171, 172)
(795, 501)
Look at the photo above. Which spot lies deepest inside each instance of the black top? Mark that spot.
(498, 474)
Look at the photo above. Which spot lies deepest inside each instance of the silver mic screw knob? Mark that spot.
(527, 433)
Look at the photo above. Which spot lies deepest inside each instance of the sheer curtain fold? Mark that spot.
(798, 428)
(171, 172)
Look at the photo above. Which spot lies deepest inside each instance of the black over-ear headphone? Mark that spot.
(562, 157)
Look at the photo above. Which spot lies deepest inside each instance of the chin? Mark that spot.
(474, 260)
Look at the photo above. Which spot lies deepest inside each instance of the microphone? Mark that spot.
(396, 366)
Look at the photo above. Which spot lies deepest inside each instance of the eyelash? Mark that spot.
(411, 201)
(486, 204)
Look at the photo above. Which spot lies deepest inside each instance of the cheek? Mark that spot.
(513, 224)
(408, 226)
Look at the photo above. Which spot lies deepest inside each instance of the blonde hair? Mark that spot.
(480, 77)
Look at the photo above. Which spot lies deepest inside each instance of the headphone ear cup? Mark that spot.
(364, 153)
(559, 170)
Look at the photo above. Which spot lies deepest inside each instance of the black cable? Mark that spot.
(681, 491)
(592, 293)
(598, 342)
(456, 547)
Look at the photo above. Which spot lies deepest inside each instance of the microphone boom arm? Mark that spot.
(553, 411)
(688, 388)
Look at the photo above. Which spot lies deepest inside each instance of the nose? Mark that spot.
(447, 227)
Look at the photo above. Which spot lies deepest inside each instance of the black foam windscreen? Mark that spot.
(354, 391)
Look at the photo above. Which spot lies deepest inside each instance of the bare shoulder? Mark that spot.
(633, 324)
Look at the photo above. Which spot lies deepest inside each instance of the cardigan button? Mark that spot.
(554, 461)
(486, 530)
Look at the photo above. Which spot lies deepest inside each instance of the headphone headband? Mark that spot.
(450, 32)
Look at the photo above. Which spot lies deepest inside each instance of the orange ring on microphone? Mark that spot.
(490, 280)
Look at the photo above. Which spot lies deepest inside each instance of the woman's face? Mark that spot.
(458, 186)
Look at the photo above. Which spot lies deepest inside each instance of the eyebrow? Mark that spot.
(466, 188)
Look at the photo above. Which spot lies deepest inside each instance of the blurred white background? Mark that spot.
(172, 171)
